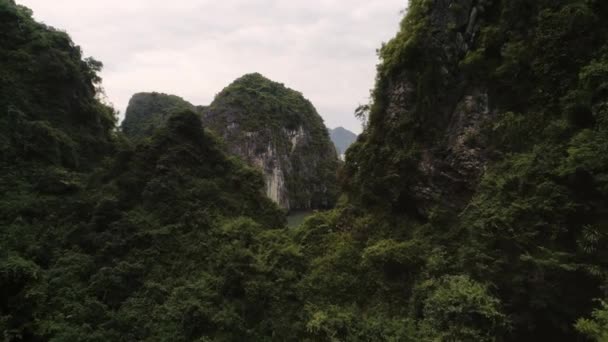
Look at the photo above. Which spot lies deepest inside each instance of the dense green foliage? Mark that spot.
(100, 240)
(533, 229)
(597, 327)
(172, 248)
(166, 243)
(259, 102)
(170, 239)
(49, 110)
(52, 132)
(147, 112)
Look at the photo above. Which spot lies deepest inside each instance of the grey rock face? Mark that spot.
(452, 169)
(259, 150)
(451, 164)
(279, 132)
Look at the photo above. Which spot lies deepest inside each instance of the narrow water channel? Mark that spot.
(296, 218)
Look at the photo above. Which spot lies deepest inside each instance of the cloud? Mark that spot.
(193, 48)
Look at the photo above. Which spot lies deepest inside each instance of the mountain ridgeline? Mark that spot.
(148, 112)
(473, 206)
(269, 126)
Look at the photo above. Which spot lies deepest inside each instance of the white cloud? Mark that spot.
(193, 48)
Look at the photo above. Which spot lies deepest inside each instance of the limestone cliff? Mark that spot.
(425, 106)
(279, 131)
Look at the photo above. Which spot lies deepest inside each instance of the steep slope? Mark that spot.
(104, 241)
(477, 195)
(48, 96)
(53, 132)
(279, 131)
(147, 112)
(342, 139)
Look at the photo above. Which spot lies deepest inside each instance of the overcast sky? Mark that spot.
(193, 48)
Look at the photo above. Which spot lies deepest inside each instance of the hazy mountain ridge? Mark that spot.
(342, 139)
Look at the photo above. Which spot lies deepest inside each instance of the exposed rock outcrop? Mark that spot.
(442, 133)
(280, 132)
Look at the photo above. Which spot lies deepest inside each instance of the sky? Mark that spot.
(325, 49)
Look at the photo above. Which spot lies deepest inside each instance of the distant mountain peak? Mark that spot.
(342, 139)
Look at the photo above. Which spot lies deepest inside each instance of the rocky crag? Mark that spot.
(448, 160)
(487, 119)
(271, 127)
(280, 132)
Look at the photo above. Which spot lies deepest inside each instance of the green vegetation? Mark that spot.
(170, 239)
(597, 327)
(532, 228)
(147, 112)
(49, 113)
(101, 240)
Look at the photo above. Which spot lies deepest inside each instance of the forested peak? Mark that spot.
(253, 78)
(182, 151)
(255, 102)
(153, 96)
(256, 80)
(17, 10)
(49, 93)
(148, 111)
(279, 130)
